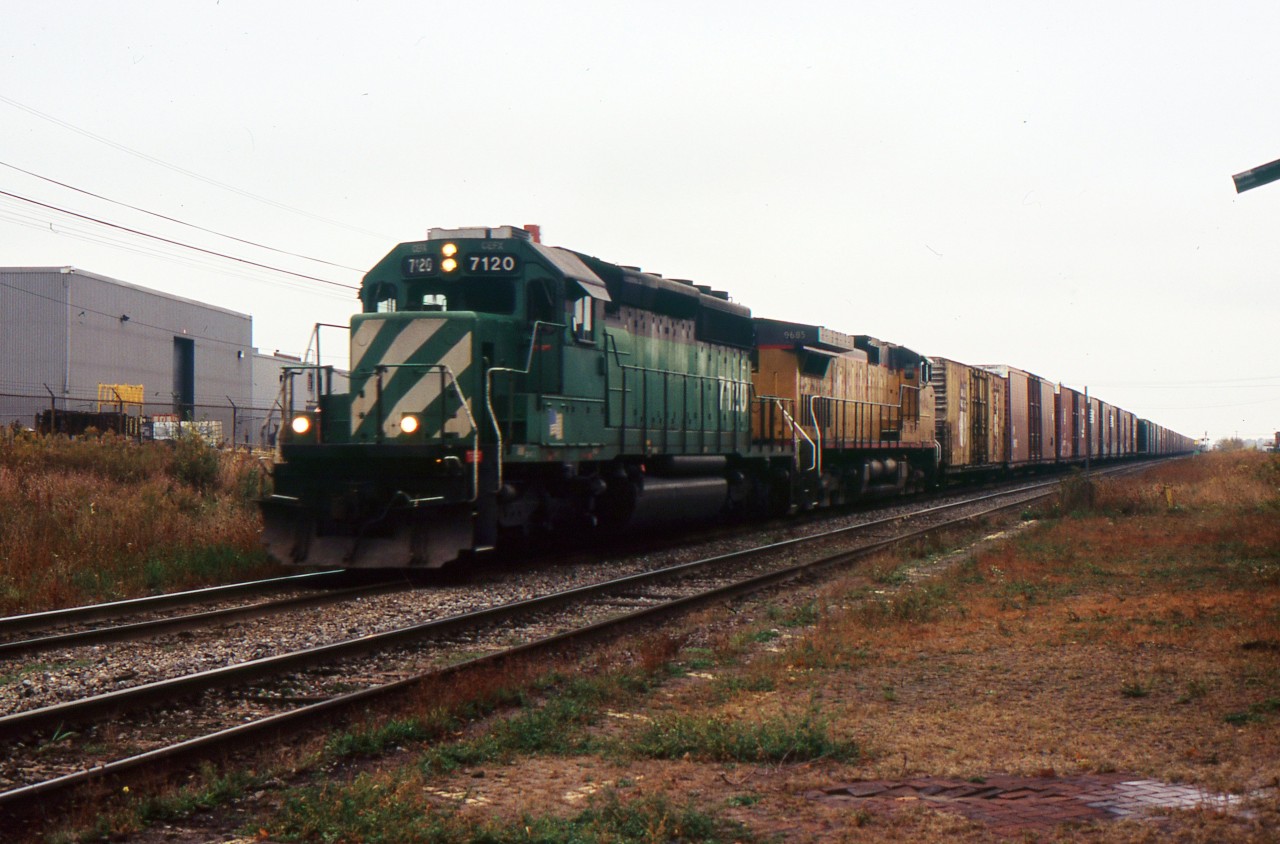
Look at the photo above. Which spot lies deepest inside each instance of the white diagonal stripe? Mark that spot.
(427, 388)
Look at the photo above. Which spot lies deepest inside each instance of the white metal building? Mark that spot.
(64, 332)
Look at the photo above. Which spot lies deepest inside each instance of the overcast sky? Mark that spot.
(1042, 185)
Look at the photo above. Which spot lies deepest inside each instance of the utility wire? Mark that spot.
(160, 251)
(189, 173)
(176, 242)
(175, 220)
(120, 317)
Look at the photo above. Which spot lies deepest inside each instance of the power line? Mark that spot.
(159, 251)
(1239, 382)
(87, 310)
(176, 242)
(189, 173)
(83, 309)
(175, 220)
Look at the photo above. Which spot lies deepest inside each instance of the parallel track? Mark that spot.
(61, 717)
(188, 621)
(19, 625)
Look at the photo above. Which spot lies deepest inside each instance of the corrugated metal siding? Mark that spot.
(33, 345)
(125, 334)
(33, 339)
(1019, 420)
(971, 414)
(72, 330)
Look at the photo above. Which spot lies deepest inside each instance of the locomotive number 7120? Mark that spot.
(492, 263)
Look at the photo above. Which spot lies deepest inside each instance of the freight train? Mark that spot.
(501, 388)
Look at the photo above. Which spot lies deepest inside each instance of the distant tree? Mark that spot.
(1229, 444)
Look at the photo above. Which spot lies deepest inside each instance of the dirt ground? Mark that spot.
(1134, 647)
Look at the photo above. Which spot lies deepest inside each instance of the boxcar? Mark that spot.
(970, 416)
(1030, 409)
(1069, 416)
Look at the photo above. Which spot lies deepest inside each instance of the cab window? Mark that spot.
(584, 329)
(490, 296)
(383, 299)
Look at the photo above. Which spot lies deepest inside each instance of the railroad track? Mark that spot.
(46, 756)
(131, 630)
(16, 626)
(141, 618)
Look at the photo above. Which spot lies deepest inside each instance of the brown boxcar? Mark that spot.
(970, 416)
(1069, 415)
(1030, 416)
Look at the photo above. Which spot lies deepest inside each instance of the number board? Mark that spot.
(416, 265)
(490, 264)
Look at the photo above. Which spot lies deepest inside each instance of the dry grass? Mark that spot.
(102, 517)
(1090, 643)
(1139, 634)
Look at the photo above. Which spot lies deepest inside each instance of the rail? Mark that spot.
(730, 578)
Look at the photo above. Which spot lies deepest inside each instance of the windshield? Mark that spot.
(491, 296)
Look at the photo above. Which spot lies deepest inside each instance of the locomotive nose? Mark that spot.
(412, 377)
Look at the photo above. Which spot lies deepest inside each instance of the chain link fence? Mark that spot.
(226, 424)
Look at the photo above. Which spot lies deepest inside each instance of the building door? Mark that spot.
(184, 377)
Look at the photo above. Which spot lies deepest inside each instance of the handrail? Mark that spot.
(462, 401)
(286, 390)
(287, 374)
(796, 429)
(538, 325)
(817, 429)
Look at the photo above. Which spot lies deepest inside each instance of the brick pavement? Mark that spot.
(1012, 805)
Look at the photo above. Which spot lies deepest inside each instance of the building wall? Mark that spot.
(33, 331)
(118, 328)
(73, 330)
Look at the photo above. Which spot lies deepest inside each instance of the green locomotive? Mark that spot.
(500, 387)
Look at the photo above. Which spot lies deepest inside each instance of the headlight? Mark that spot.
(449, 250)
(449, 265)
(300, 424)
(409, 424)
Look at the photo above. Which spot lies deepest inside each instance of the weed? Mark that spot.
(195, 462)
(102, 518)
(1135, 689)
(555, 727)
(895, 576)
(1254, 714)
(861, 817)
(919, 604)
(60, 736)
(1076, 493)
(753, 682)
(374, 741)
(721, 739)
(1196, 689)
(396, 810)
(698, 659)
(214, 791)
(803, 616)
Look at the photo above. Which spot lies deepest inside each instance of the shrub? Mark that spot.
(104, 517)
